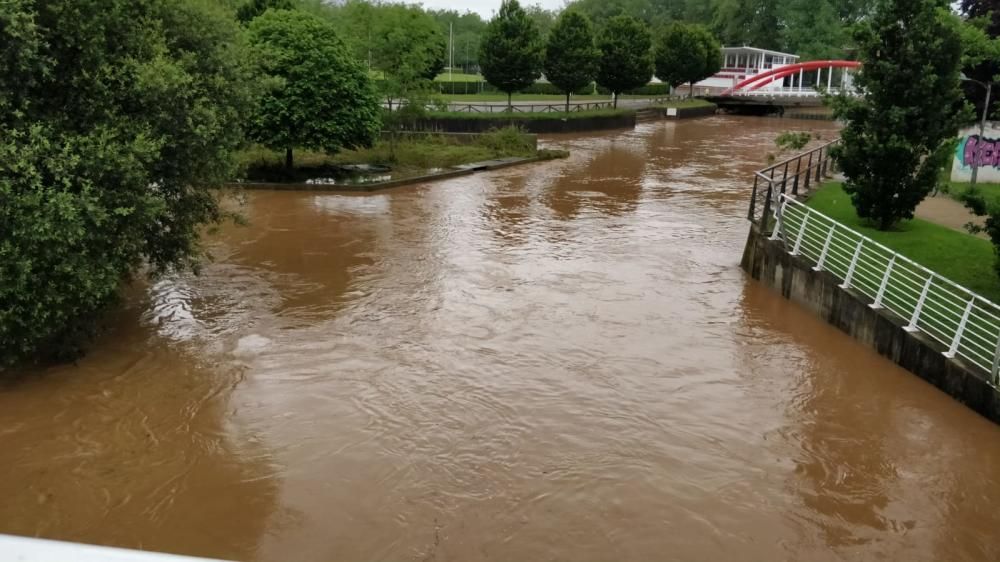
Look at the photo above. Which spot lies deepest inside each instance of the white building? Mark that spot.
(740, 63)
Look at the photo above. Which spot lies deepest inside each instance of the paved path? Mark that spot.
(945, 211)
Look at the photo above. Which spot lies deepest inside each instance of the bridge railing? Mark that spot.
(964, 323)
(795, 175)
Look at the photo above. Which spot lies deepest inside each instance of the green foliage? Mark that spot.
(983, 206)
(686, 53)
(626, 62)
(253, 8)
(793, 140)
(507, 141)
(570, 55)
(511, 50)
(408, 46)
(317, 96)
(813, 29)
(118, 116)
(655, 90)
(898, 138)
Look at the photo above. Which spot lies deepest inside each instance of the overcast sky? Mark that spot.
(484, 7)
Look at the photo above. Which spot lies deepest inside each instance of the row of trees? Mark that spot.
(622, 56)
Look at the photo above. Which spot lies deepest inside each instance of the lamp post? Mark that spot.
(982, 123)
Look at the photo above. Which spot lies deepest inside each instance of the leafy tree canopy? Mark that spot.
(626, 60)
(686, 53)
(253, 8)
(318, 96)
(511, 51)
(118, 115)
(897, 139)
(571, 57)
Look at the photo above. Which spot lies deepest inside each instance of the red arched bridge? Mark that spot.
(804, 79)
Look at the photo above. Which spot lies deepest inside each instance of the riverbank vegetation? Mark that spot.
(961, 257)
(502, 117)
(413, 154)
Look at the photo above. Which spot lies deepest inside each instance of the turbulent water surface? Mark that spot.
(561, 361)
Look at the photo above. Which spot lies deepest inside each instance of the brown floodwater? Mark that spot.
(561, 361)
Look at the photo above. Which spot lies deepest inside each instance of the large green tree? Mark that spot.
(511, 51)
(118, 116)
(626, 47)
(813, 29)
(571, 57)
(318, 96)
(898, 138)
(682, 53)
(253, 8)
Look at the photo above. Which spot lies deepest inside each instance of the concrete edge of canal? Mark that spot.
(767, 261)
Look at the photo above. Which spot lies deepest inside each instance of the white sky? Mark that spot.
(484, 7)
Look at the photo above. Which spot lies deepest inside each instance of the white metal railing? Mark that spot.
(25, 549)
(966, 324)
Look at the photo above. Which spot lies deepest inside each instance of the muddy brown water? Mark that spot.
(555, 362)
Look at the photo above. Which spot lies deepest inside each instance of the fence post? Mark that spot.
(854, 264)
(753, 198)
(819, 164)
(826, 248)
(809, 171)
(885, 283)
(801, 235)
(779, 213)
(784, 179)
(764, 218)
(953, 350)
(912, 326)
(996, 364)
(798, 170)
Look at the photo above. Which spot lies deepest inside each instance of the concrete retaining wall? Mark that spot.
(881, 330)
(554, 125)
(688, 112)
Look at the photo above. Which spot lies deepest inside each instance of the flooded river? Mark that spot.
(554, 362)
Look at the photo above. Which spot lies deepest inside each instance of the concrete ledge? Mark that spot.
(768, 262)
(457, 171)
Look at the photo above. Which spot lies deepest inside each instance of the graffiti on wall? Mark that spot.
(981, 152)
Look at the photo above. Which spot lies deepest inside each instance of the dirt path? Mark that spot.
(945, 211)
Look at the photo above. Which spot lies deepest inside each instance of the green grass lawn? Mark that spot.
(963, 258)
(681, 104)
(547, 98)
(459, 77)
(504, 117)
(990, 191)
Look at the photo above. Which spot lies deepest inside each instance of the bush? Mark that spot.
(508, 141)
(647, 90)
(92, 188)
(548, 89)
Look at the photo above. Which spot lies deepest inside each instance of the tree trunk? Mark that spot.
(288, 159)
(510, 105)
(614, 100)
(567, 102)
(690, 90)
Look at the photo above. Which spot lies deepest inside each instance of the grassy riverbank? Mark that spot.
(410, 155)
(963, 258)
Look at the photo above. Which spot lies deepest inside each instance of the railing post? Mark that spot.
(809, 170)
(764, 217)
(826, 248)
(854, 264)
(885, 283)
(996, 364)
(912, 326)
(798, 170)
(953, 350)
(784, 179)
(801, 235)
(753, 198)
(819, 164)
(779, 222)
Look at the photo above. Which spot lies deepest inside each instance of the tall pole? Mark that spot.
(451, 52)
(982, 133)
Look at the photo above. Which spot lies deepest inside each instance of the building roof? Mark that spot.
(746, 49)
